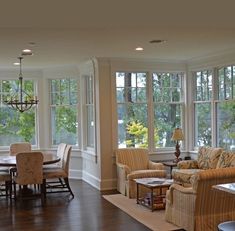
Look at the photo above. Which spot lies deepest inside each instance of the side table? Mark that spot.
(171, 165)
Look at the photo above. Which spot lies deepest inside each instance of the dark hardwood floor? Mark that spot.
(88, 211)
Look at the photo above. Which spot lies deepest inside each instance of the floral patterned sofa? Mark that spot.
(208, 158)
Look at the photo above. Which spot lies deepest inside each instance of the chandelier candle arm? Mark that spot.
(18, 103)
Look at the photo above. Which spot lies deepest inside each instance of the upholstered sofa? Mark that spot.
(208, 158)
(200, 207)
(133, 163)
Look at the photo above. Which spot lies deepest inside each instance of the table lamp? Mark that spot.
(177, 136)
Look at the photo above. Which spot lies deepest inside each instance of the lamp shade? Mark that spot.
(177, 134)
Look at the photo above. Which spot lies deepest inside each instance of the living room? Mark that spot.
(95, 43)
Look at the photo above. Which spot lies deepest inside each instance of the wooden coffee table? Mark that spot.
(152, 200)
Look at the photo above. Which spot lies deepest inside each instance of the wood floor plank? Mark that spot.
(88, 211)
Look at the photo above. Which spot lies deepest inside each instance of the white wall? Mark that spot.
(216, 60)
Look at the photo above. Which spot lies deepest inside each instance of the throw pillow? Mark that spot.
(226, 159)
(208, 157)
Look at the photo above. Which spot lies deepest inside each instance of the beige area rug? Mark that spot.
(153, 220)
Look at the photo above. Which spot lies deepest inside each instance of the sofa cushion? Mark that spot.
(208, 157)
(183, 176)
(187, 164)
(226, 159)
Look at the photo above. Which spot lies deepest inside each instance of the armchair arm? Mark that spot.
(122, 172)
(185, 164)
(157, 166)
(123, 168)
(143, 174)
(181, 189)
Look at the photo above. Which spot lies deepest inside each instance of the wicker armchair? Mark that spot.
(134, 163)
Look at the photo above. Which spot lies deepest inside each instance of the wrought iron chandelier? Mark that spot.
(21, 101)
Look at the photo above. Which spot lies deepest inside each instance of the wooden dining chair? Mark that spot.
(29, 172)
(61, 173)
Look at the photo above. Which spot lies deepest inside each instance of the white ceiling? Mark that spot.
(67, 32)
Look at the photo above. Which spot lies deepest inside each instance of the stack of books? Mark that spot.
(157, 200)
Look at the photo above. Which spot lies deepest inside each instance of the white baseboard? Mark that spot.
(75, 174)
(107, 184)
(90, 179)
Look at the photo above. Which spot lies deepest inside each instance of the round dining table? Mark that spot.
(10, 161)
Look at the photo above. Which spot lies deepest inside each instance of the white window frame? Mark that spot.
(77, 106)
(88, 93)
(214, 101)
(150, 104)
(35, 83)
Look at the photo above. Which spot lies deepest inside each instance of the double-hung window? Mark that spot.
(167, 106)
(225, 108)
(131, 98)
(214, 108)
(64, 111)
(203, 108)
(12, 122)
(149, 107)
(89, 113)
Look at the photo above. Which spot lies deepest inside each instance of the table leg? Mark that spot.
(161, 196)
(152, 202)
(171, 171)
(137, 193)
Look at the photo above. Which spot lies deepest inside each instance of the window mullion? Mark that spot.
(150, 111)
(213, 105)
(224, 83)
(232, 82)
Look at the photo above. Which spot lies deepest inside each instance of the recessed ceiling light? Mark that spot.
(157, 41)
(32, 44)
(139, 48)
(27, 52)
(16, 64)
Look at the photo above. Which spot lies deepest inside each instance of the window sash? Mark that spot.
(64, 111)
(222, 80)
(135, 117)
(12, 123)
